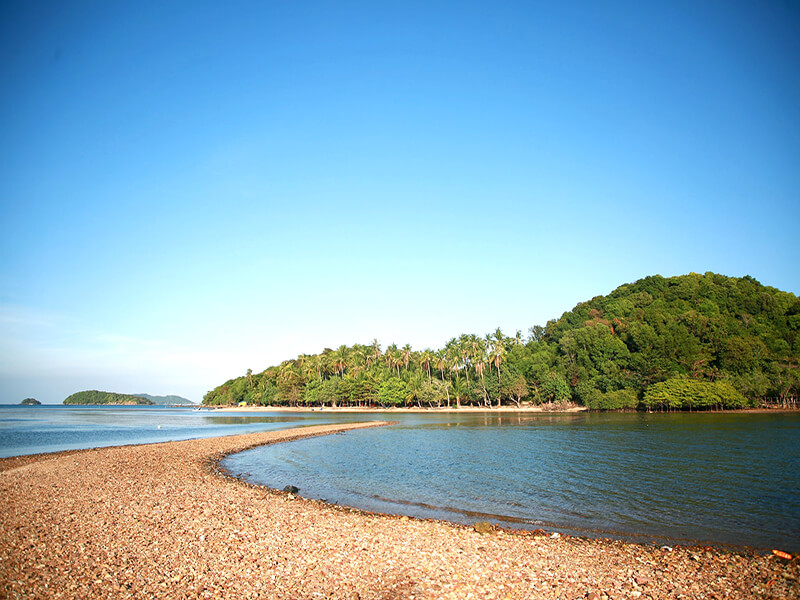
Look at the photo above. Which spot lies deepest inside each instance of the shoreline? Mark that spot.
(483, 410)
(367, 410)
(165, 520)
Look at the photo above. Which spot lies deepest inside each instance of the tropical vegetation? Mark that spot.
(692, 342)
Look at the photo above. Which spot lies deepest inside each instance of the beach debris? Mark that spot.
(291, 489)
(483, 527)
(539, 533)
(555, 535)
(667, 548)
(782, 554)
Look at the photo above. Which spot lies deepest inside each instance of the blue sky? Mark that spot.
(192, 190)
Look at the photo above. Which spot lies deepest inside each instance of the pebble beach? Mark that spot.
(163, 521)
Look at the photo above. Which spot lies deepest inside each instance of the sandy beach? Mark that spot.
(161, 521)
(443, 409)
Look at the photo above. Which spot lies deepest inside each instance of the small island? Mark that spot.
(106, 398)
(685, 343)
(170, 400)
(31, 402)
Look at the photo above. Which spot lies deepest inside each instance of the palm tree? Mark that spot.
(340, 360)
(392, 356)
(376, 350)
(357, 361)
(440, 357)
(425, 359)
(480, 367)
(314, 366)
(478, 358)
(406, 355)
(496, 356)
(459, 391)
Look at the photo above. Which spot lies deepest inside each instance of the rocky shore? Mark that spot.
(161, 521)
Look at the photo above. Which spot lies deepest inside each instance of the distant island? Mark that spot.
(113, 398)
(31, 402)
(691, 342)
(97, 397)
(169, 400)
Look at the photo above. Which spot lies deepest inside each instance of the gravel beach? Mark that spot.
(161, 521)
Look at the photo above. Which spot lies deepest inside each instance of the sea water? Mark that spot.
(725, 479)
(52, 428)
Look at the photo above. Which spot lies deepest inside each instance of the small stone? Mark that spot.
(642, 580)
(483, 527)
(592, 596)
(291, 489)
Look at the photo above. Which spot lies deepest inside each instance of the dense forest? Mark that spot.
(96, 397)
(691, 342)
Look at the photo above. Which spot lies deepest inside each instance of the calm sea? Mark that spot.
(729, 479)
(31, 430)
(724, 479)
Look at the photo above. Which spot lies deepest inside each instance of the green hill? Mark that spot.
(96, 397)
(31, 402)
(165, 399)
(703, 328)
(687, 342)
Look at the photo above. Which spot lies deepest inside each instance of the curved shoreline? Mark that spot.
(160, 520)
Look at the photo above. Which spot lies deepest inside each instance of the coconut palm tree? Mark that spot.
(496, 356)
(459, 391)
(340, 360)
(393, 358)
(406, 355)
(376, 350)
(425, 359)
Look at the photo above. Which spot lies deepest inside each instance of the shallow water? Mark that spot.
(35, 429)
(729, 479)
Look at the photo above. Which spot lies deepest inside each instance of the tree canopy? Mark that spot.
(690, 342)
(97, 397)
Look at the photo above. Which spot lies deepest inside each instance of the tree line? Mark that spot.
(691, 342)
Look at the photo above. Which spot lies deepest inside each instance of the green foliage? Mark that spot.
(555, 389)
(392, 392)
(609, 353)
(625, 398)
(96, 397)
(679, 393)
(31, 402)
(165, 399)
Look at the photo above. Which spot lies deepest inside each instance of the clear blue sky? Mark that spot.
(192, 190)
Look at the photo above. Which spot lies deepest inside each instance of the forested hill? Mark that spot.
(97, 397)
(688, 342)
(169, 400)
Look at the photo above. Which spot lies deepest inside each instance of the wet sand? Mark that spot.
(161, 521)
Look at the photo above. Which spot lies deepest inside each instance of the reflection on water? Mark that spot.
(719, 478)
